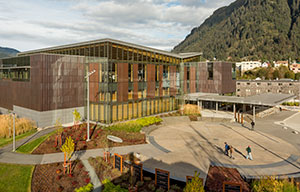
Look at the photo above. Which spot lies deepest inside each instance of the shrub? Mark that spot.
(291, 103)
(190, 109)
(146, 121)
(87, 180)
(195, 185)
(88, 188)
(193, 118)
(110, 187)
(22, 125)
(135, 125)
(270, 183)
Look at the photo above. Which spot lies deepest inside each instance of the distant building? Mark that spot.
(248, 65)
(281, 63)
(266, 65)
(255, 87)
(295, 67)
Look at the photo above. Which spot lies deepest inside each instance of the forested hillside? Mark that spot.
(7, 52)
(248, 29)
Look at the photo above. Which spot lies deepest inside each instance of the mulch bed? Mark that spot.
(217, 175)
(98, 139)
(105, 170)
(50, 177)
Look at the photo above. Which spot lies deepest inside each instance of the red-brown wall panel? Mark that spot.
(122, 82)
(150, 81)
(135, 81)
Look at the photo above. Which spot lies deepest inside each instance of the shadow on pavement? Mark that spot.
(266, 149)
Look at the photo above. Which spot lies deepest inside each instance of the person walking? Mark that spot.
(226, 148)
(231, 151)
(249, 155)
(252, 125)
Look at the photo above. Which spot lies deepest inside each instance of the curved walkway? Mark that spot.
(183, 147)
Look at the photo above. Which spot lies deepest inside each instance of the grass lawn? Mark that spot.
(31, 146)
(5, 141)
(15, 177)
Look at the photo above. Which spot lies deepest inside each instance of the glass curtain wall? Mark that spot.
(131, 82)
(16, 68)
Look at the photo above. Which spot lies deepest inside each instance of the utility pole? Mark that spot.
(88, 103)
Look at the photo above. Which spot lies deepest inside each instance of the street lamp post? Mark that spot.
(88, 103)
(14, 132)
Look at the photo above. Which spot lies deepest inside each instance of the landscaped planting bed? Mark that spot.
(98, 139)
(50, 177)
(217, 175)
(115, 180)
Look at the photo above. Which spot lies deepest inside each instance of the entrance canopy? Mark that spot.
(266, 99)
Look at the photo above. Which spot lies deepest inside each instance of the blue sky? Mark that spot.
(34, 24)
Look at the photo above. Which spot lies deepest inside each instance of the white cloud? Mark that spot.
(162, 24)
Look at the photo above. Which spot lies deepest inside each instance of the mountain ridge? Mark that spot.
(248, 29)
(8, 52)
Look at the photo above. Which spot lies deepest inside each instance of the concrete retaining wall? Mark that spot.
(48, 118)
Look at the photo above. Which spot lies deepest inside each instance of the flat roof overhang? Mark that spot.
(266, 99)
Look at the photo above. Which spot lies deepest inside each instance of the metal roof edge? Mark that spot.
(112, 41)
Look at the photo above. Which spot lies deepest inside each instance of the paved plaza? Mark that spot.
(183, 147)
(201, 144)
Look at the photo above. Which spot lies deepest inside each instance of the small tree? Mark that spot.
(76, 116)
(68, 149)
(196, 185)
(59, 131)
(270, 183)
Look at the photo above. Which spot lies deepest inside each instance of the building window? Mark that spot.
(233, 71)
(257, 83)
(238, 83)
(156, 72)
(238, 90)
(248, 83)
(113, 72)
(165, 72)
(279, 83)
(187, 73)
(269, 83)
(210, 71)
(114, 96)
(141, 72)
(130, 95)
(130, 72)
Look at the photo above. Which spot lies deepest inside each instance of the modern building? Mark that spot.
(295, 67)
(281, 63)
(248, 65)
(131, 81)
(266, 65)
(246, 88)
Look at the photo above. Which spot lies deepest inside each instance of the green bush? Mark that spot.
(88, 188)
(135, 125)
(291, 103)
(270, 183)
(146, 121)
(110, 187)
(195, 185)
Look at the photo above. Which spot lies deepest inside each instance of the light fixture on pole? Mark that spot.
(14, 131)
(88, 103)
